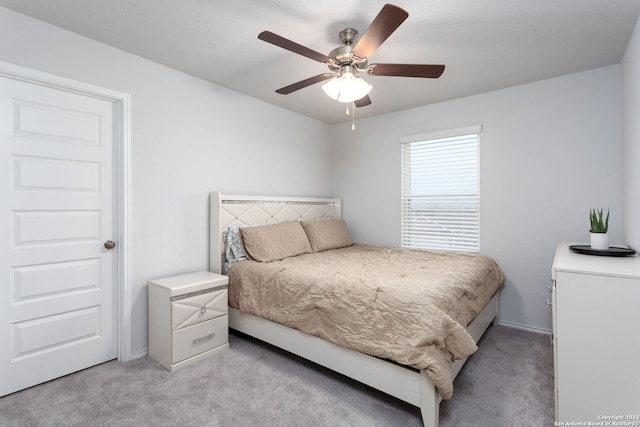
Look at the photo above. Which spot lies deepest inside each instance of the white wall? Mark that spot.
(631, 141)
(540, 148)
(189, 137)
(550, 151)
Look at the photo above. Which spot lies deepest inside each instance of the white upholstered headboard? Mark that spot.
(233, 209)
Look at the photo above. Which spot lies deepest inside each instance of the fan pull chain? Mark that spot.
(353, 117)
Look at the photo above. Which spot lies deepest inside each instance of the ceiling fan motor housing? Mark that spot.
(343, 55)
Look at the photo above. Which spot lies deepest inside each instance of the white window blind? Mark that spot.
(440, 191)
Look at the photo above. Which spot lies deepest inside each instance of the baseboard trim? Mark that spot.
(525, 328)
(139, 354)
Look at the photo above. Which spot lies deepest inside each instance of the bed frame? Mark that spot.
(407, 384)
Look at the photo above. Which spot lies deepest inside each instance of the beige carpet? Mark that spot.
(507, 382)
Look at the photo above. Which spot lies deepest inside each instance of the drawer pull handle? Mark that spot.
(201, 339)
(203, 309)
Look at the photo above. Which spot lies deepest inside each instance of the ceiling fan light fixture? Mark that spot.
(347, 87)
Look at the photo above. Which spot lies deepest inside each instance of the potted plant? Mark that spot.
(599, 228)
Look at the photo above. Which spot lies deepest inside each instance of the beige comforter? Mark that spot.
(408, 306)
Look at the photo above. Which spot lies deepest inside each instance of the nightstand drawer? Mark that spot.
(200, 337)
(190, 310)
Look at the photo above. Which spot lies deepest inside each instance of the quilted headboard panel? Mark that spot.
(229, 209)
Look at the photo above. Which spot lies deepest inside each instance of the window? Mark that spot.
(440, 190)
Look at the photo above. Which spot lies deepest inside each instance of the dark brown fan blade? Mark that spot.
(387, 21)
(363, 102)
(294, 47)
(406, 70)
(303, 83)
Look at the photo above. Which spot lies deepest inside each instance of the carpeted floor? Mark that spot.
(507, 382)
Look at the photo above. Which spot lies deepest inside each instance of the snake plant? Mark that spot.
(598, 225)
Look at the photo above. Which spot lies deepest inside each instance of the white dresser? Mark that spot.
(596, 328)
(188, 318)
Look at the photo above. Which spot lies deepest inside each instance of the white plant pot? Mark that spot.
(600, 241)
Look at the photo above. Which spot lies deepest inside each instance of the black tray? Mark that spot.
(612, 251)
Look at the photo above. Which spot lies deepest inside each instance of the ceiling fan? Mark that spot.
(346, 61)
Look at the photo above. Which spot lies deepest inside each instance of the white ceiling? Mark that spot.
(485, 44)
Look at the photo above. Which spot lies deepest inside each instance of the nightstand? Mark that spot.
(188, 318)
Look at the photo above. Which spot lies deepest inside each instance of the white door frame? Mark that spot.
(122, 185)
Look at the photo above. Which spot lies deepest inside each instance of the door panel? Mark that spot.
(54, 122)
(37, 173)
(36, 281)
(57, 312)
(47, 333)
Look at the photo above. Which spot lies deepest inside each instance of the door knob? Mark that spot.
(109, 244)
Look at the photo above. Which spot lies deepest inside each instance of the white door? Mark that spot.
(57, 305)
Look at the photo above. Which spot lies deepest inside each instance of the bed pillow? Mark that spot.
(234, 249)
(328, 234)
(274, 242)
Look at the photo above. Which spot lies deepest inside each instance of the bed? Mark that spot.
(423, 383)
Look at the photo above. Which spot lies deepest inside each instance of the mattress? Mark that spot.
(408, 306)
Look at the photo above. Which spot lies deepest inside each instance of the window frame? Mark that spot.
(460, 241)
